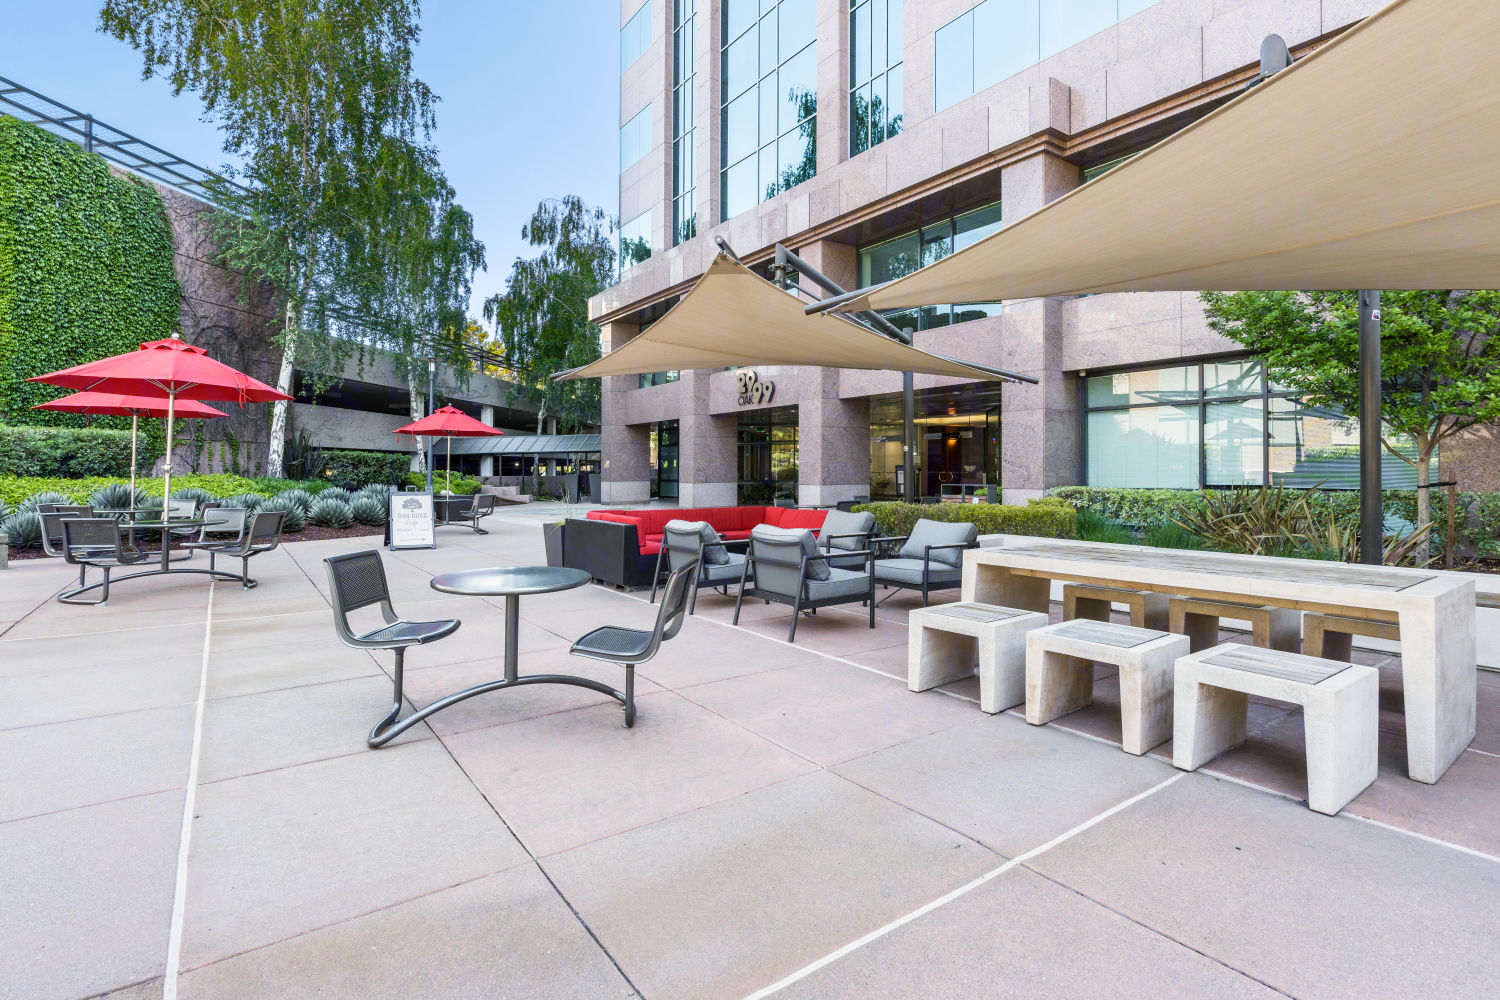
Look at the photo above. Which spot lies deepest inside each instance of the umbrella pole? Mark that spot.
(166, 491)
(134, 422)
(448, 442)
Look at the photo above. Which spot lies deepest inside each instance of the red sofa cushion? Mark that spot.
(731, 522)
(793, 518)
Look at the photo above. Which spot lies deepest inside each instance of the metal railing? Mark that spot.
(117, 146)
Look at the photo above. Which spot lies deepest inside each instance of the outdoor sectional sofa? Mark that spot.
(620, 546)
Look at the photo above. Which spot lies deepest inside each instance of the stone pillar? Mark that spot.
(833, 83)
(1041, 426)
(708, 473)
(833, 444)
(838, 261)
(486, 462)
(625, 449)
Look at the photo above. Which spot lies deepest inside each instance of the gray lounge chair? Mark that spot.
(930, 558)
(631, 647)
(844, 531)
(686, 542)
(786, 566)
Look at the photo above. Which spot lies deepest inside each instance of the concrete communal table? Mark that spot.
(1435, 612)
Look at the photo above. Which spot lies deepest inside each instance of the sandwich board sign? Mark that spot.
(410, 524)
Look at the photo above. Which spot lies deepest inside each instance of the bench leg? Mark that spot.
(1343, 744)
(1207, 721)
(1319, 641)
(1279, 629)
(1092, 608)
(1002, 671)
(1146, 704)
(1150, 610)
(935, 657)
(1202, 630)
(1056, 685)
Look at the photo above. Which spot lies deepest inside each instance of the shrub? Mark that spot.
(330, 512)
(354, 469)
(440, 482)
(68, 452)
(300, 497)
(369, 510)
(335, 493)
(296, 516)
(23, 529)
(34, 501)
(1170, 536)
(115, 496)
(1045, 520)
(1095, 527)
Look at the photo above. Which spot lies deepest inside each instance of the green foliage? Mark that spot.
(1046, 521)
(15, 489)
(369, 510)
(335, 493)
(36, 500)
(354, 469)
(458, 484)
(85, 268)
(375, 491)
(1170, 536)
(23, 529)
(69, 452)
(302, 498)
(1095, 527)
(330, 512)
(248, 501)
(115, 496)
(296, 515)
(195, 493)
(542, 317)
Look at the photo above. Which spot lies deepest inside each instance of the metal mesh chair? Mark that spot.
(263, 536)
(357, 580)
(92, 541)
(479, 505)
(219, 522)
(630, 647)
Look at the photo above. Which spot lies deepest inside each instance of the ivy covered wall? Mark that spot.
(86, 267)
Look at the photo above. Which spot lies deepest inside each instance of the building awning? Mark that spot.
(538, 445)
(733, 318)
(1372, 163)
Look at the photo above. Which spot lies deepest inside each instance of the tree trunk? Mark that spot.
(418, 410)
(536, 467)
(276, 453)
(1424, 502)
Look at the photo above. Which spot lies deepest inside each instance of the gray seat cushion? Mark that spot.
(714, 553)
(722, 573)
(927, 533)
(840, 522)
(785, 538)
(840, 583)
(909, 572)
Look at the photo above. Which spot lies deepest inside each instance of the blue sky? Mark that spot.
(529, 110)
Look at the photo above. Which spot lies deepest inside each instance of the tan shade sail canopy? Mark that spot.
(733, 317)
(1372, 163)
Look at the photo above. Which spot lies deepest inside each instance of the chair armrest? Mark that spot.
(889, 538)
(930, 549)
(830, 539)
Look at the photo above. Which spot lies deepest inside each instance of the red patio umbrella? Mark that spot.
(113, 404)
(170, 368)
(449, 422)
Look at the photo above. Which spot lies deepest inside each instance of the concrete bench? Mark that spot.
(946, 642)
(1332, 636)
(1060, 675)
(1340, 704)
(1198, 619)
(1094, 602)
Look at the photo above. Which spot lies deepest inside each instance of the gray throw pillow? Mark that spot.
(817, 569)
(927, 533)
(839, 522)
(714, 553)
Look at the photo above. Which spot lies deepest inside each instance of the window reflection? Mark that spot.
(635, 37)
(684, 173)
(635, 240)
(635, 138)
(896, 258)
(875, 63)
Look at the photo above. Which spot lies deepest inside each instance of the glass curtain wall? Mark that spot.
(875, 75)
(1220, 424)
(767, 455)
(666, 446)
(684, 105)
(898, 257)
(635, 235)
(635, 37)
(998, 38)
(769, 100)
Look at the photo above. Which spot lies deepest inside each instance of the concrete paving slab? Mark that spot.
(833, 633)
(41, 690)
(890, 660)
(64, 765)
(1314, 906)
(88, 897)
(507, 935)
(282, 663)
(262, 732)
(1462, 808)
(830, 712)
(285, 852)
(1022, 936)
(724, 900)
(1052, 780)
(1487, 737)
(566, 779)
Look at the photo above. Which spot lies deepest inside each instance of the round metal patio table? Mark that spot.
(513, 583)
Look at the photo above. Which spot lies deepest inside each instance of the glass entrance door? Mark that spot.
(668, 448)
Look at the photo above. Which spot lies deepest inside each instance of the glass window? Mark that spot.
(1063, 24)
(1234, 443)
(684, 121)
(635, 240)
(1005, 39)
(635, 37)
(767, 115)
(889, 261)
(899, 257)
(874, 72)
(635, 138)
(1157, 385)
(1232, 378)
(953, 67)
(974, 226)
(1144, 446)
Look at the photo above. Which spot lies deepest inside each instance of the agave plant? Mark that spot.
(369, 510)
(31, 503)
(335, 493)
(295, 518)
(301, 498)
(23, 529)
(5, 510)
(116, 496)
(248, 501)
(331, 512)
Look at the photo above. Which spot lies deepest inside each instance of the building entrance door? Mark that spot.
(768, 455)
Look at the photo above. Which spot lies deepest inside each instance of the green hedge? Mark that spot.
(85, 267)
(14, 489)
(70, 452)
(1043, 520)
(353, 469)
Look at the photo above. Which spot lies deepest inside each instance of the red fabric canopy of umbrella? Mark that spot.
(165, 367)
(449, 421)
(113, 404)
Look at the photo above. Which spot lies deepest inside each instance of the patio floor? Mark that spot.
(783, 818)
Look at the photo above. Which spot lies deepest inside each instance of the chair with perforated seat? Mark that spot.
(357, 580)
(92, 542)
(222, 527)
(631, 647)
(264, 535)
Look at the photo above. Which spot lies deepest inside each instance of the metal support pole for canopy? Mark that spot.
(1371, 517)
(909, 436)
